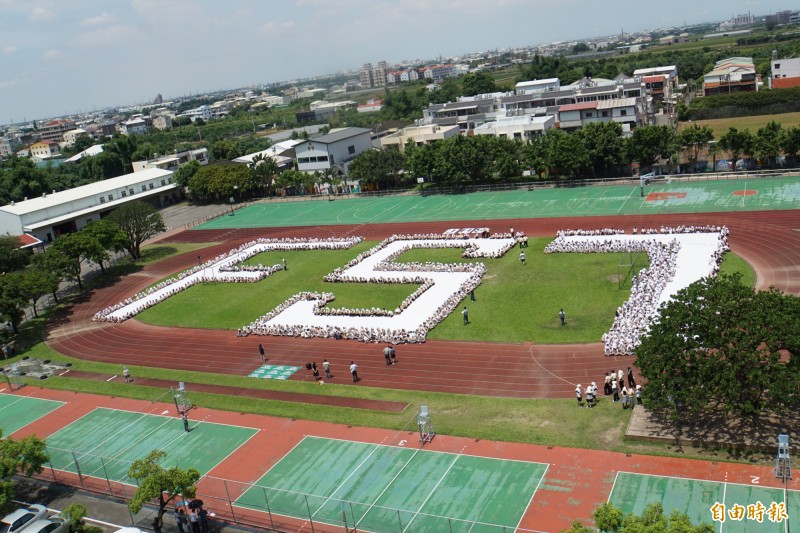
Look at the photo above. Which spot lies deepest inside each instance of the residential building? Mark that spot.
(8, 146)
(332, 151)
(54, 214)
(275, 100)
(440, 72)
(409, 75)
(71, 135)
(162, 122)
(203, 112)
(371, 106)
(735, 74)
(783, 17)
(379, 74)
(135, 126)
(54, 130)
(419, 135)
(537, 86)
(282, 153)
(524, 128)
(626, 111)
(173, 161)
(784, 73)
(365, 75)
(44, 150)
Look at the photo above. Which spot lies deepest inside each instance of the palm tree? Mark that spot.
(264, 169)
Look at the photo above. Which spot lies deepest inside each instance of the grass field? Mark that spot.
(584, 284)
(722, 125)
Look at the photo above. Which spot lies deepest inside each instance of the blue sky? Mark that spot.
(62, 56)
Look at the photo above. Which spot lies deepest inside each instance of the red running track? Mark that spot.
(767, 240)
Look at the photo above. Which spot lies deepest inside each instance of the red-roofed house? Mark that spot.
(54, 130)
(655, 85)
(572, 116)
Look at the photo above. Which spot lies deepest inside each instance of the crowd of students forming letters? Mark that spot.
(632, 319)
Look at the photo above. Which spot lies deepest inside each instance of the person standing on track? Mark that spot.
(326, 366)
(354, 371)
(261, 351)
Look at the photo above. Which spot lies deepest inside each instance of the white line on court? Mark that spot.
(626, 200)
(230, 454)
(358, 522)
(431, 493)
(616, 476)
(533, 495)
(377, 447)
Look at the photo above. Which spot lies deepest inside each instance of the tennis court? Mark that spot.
(105, 442)
(633, 492)
(372, 487)
(16, 412)
(662, 197)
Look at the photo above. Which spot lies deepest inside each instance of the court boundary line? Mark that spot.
(391, 482)
(535, 490)
(611, 492)
(433, 490)
(170, 417)
(706, 480)
(59, 402)
(429, 451)
(256, 432)
(356, 469)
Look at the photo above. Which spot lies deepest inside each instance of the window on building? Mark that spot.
(110, 197)
(351, 149)
(124, 194)
(151, 186)
(102, 200)
(777, 65)
(605, 113)
(144, 188)
(623, 112)
(130, 191)
(588, 114)
(163, 182)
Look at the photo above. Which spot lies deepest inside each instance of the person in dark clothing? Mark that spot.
(631, 380)
(261, 352)
(315, 370)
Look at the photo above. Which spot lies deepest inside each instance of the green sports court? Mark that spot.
(756, 194)
(633, 492)
(105, 442)
(16, 412)
(372, 487)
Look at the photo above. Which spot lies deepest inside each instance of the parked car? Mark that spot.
(21, 518)
(48, 525)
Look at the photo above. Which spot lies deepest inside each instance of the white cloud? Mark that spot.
(51, 55)
(4, 84)
(101, 19)
(277, 28)
(9, 49)
(107, 36)
(39, 14)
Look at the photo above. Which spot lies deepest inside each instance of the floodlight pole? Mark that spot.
(641, 185)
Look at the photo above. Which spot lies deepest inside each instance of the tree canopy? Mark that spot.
(156, 483)
(610, 519)
(719, 343)
(138, 221)
(25, 456)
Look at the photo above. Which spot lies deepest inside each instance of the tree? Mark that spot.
(12, 257)
(185, 172)
(478, 83)
(377, 169)
(736, 143)
(264, 170)
(610, 519)
(768, 142)
(727, 347)
(160, 484)
(25, 456)
(649, 143)
(106, 235)
(693, 139)
(12, 299)
(34, 284)
(77, 247)
(791, 143)
(55, 266)
(580, 48)
(138, 221)
(564, 152)
(604, 146)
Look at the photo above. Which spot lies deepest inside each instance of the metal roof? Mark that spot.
(579, 106)
(85, 191)
(339, 135)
